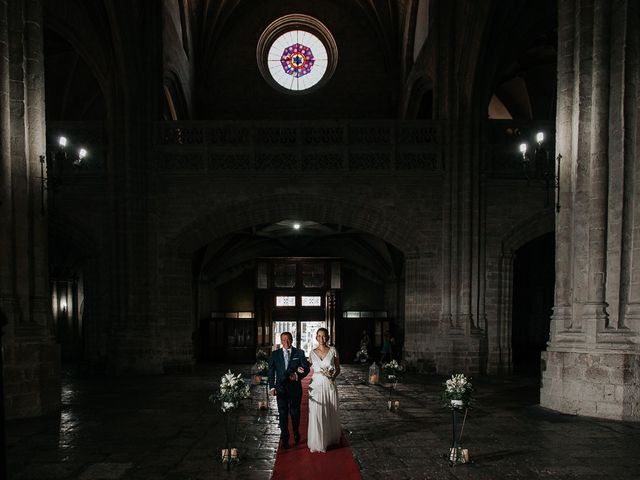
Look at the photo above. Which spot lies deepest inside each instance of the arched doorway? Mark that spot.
(533, 285)
(187, 246)
(297, 276)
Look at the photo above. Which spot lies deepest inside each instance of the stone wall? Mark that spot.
(592, 358)
(30, 357)
(594, 384)
(195, 199)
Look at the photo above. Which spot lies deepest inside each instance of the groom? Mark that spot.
(287, 366)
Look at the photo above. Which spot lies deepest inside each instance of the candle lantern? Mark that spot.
(374, 374)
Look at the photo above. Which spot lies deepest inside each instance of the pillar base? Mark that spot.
(591, 383)
(31, 377)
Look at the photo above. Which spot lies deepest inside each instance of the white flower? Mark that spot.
(393, 366)
(458, 387)
(232, 390)
(228, 406)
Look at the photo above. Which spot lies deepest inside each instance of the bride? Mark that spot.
(324, 420)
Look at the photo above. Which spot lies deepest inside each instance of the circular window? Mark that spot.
(296, 53)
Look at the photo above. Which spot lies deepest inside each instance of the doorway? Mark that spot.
(303, 331)
(533, 285)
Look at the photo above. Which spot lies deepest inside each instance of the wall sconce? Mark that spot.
(539, 165)
(52, 166)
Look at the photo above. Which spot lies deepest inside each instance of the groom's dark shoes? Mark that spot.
(296, 438)
(284, 443)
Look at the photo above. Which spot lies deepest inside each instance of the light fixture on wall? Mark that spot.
(52, 165)
(540, 165)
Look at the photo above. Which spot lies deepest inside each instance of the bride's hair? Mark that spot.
(322, 329)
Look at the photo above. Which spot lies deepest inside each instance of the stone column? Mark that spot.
(462, 342)
(420, 334)
(595, 314)
(592, 360)
(562, 318)
(630, 271)
(623, 273)
(31, 356)
(139, 340)
(7, 298)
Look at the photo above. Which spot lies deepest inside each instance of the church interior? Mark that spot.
(182, 181)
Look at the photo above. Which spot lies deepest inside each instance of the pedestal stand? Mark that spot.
(230, 455)
(457, 454)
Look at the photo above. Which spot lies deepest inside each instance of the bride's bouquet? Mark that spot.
(329, 372)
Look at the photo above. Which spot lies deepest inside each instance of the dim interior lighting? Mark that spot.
(541, 166)
(523, 149)
(52, 164)
(296, 226)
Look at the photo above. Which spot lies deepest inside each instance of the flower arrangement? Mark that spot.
(232, 390)
(261, 354)
(393, 370)
(362, 355)
(262, 367)
(458, 391)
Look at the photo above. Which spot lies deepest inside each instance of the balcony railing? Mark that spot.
(281, 147)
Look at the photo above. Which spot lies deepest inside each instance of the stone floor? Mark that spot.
(163, 427)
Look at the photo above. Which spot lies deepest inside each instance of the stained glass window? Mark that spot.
(297, 60)
(311, 301)
(285, 301)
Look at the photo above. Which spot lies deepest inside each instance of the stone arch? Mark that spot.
(175, 299)
(273, 208)
(527, 230)
(79, 30)
(520, 234)
(419, 89)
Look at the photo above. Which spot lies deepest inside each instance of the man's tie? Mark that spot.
(286, 359)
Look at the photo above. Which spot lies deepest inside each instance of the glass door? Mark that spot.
(284, 326)
(308, 331)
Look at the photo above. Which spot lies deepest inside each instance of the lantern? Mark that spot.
(374, 374)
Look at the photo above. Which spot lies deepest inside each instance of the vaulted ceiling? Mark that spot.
(229, 256)
(390, 53)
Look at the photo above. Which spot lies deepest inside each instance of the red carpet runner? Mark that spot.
(297, 462)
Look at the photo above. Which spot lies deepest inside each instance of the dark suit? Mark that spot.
(288, 392)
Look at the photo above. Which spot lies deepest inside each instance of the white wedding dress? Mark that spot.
(324, 419)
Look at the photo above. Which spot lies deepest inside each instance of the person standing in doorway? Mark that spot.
(386, 354)
(287, 366)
